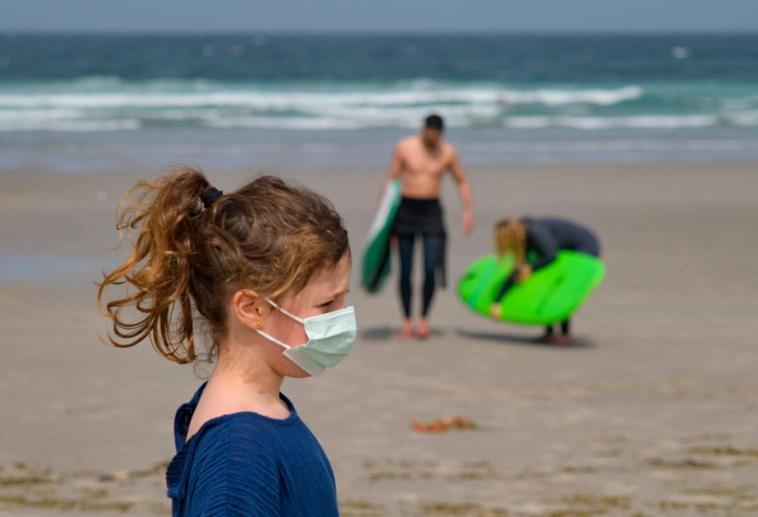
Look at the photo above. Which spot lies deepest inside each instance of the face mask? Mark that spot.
(330, 339)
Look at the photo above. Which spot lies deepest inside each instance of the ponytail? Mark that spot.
(164, 214)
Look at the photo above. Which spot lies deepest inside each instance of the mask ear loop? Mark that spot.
(285, 311)
(273, 339)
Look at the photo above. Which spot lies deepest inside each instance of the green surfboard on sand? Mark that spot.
(550, 295)
(376, 255)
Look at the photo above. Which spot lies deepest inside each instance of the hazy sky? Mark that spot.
(379, 15)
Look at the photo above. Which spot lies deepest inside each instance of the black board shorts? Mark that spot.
(416, 216)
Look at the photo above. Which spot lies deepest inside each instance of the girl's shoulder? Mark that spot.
(235, 420)
(239, 441)
(231, 462)
(227, 451)
(243, 427)
(224, 412)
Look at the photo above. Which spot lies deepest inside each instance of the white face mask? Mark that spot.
(330, 339)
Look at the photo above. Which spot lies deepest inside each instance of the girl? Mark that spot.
(543, 238)
(265, 270)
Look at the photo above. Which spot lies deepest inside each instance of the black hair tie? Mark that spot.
(210, 195)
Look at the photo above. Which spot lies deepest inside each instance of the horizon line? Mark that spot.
(353, 33)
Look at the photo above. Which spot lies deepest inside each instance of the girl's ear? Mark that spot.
(250, 308)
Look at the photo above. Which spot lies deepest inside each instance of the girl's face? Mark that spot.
(325, 292)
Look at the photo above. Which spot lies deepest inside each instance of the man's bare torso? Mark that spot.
(423, 168)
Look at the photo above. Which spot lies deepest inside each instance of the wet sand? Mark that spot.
(653, 412)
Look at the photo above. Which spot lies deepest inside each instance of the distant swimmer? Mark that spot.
(540, 239)
(420, 162)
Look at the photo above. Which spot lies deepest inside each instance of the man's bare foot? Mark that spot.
(564, 339)
(406, 331)
(422, 330)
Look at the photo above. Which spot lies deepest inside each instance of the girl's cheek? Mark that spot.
(295, 333)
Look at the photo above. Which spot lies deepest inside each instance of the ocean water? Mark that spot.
(99, 102)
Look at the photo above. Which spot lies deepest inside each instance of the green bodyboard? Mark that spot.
(550, 295)
(376, 262)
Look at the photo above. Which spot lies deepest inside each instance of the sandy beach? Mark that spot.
(653, 411)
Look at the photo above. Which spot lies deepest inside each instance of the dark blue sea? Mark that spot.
(111, 102)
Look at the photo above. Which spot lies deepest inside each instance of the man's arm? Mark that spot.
(464, 191)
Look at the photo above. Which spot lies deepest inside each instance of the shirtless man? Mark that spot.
(420, 163)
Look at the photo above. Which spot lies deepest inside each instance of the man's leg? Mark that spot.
(405, 246)
(434, 255)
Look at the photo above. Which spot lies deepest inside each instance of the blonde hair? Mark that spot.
(510, 238)
(187, 257)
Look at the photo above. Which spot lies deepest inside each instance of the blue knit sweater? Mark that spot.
(249, 464)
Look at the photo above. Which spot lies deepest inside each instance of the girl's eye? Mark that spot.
(334, 302)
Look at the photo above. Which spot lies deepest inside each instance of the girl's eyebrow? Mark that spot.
(334, 296)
